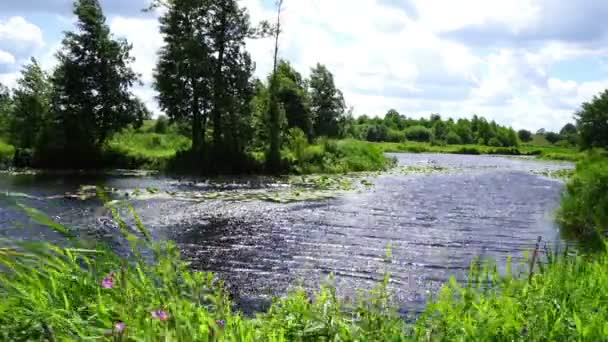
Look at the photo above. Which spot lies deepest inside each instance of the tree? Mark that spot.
(204, 74)
(293, 95)
(524, 135)
(6, 107)
(275, 111)
(184, 73)
(568, 129)
(553, 137)
(229, 26)
(419, 133)
(91, 97)
(327, 102)
(31, 101)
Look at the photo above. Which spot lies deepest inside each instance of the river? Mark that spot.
(437, 212)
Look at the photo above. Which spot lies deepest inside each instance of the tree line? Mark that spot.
(395, 127)
(204, 79)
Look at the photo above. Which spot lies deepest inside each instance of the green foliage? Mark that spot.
(91, 97)
(293, 95)
(333, 156)
(6, 153)
(131, 149)
(327, 102)
(592, 122)
(203, 75)
(565, 300)
(419, 133)
(6, 107)
(452, 138)
(552, 137)
(584, 208)
(524, 135)
(494, 142)
(30, 105)
(161, 125)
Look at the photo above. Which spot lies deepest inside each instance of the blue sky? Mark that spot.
(525, 63)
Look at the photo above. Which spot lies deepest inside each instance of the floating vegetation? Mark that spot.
(563, 174)
(421, 169)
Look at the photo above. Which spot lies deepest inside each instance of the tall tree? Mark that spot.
(273, 158)
(92, 97)
(204, 72)
(183, 75)
(293, 95)
(327, 102)
(31, 101)
(229, 27)
(6, 105)
(592, 122)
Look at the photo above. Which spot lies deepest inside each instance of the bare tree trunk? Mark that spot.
(274, 157)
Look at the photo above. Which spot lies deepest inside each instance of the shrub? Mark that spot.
(419, 133)
(494, 142)
(162, 124)
(453, 139)
(6, 152)
(584, 206)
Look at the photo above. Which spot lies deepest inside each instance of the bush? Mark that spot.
(468, 150)
(524, 135)
(419, 133)
(584, 207)
(162, 125)
(6, 153)
(494, 142)
(453, 139)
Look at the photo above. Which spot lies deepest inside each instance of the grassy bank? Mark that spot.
(147, 149)
(335, 156)
(543, 152)
(144, 150)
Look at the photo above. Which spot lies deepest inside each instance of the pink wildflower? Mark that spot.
(119, 326)
(160, 315)
(107, 283)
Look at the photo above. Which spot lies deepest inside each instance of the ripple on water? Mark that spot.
(436, 224)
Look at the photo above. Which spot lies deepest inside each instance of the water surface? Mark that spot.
(436, 222)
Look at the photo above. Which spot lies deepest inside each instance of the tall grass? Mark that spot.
(335, 156)
(565, 301)
(131, 149)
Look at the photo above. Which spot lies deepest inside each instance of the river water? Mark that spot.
(437, 221)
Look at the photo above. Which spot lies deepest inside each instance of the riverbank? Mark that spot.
(541, 152)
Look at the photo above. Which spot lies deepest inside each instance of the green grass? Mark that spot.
(131, 149)
(336, 156)
(6, 152)
(564, 300)
(539, 140)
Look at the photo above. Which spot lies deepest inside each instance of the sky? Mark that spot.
(524, 63)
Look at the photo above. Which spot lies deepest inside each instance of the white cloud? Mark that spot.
(19, 36)
(492, 58)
